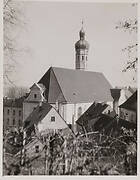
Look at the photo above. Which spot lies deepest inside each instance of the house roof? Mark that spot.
(37, 115)
(130, 103)
(92, 112)
(75, 86)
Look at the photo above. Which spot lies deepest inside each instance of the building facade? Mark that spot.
(12, 113)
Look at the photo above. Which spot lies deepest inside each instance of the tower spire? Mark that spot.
(81, 48)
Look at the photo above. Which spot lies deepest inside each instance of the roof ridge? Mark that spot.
(54, 67)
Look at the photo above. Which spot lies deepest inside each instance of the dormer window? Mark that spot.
(35, 96)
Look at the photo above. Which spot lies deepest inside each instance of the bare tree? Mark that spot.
(13, 21)
(131, 26)
(15, 92)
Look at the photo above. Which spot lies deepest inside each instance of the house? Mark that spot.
(87, 121)
(128, 109)
(12, 113)
(44, 118)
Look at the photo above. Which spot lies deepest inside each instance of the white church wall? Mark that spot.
(71, 110)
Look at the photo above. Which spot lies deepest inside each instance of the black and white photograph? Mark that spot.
(70, 85)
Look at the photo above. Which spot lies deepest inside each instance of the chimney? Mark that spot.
(115, 93)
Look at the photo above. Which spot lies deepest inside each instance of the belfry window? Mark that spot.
(35, 96)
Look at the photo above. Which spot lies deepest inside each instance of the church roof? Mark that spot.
(75, 86)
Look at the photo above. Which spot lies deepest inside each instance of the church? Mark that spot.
(70, 91)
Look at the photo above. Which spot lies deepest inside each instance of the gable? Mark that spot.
(53, 92)
(52, 121)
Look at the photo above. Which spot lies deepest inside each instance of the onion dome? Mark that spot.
(82, 43)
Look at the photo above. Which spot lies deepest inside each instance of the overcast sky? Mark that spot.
(53, 28)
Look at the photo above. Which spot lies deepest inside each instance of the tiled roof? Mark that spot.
(92, 112)
(37, 115)
(75, 86)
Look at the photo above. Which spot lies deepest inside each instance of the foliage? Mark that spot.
(87, 154)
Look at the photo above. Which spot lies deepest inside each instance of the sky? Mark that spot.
(52, 29)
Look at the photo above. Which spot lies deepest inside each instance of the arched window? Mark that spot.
(79, 111)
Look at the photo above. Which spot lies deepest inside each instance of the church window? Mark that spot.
(35, 96)
(53, 119)
(82, 57)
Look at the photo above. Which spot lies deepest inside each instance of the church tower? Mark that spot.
(81, 48)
